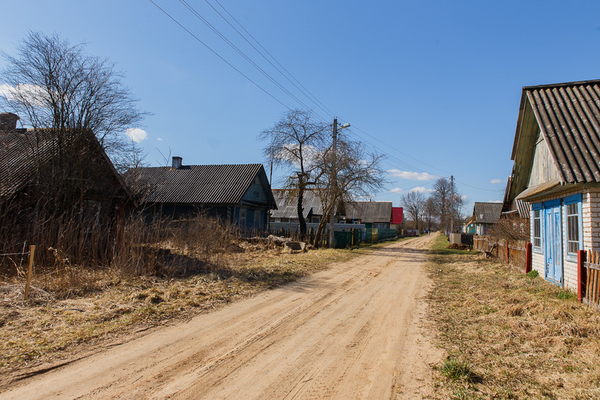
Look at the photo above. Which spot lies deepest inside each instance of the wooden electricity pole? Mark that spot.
(333, 186)
(451, 204)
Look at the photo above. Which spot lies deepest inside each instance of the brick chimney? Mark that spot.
(8, 121)
(177, 162)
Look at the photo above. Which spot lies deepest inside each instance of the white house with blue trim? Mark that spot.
(555, 180)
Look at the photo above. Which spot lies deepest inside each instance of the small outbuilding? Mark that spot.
(485, 215)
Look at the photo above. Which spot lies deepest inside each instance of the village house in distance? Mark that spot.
(555, 180)
(238, 194)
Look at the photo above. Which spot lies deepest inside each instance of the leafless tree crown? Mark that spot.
(53, 84)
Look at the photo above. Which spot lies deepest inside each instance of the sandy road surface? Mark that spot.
(349, 332)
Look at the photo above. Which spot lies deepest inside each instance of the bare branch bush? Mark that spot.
(511, 229)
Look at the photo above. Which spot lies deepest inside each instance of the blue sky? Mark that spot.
(435, 85)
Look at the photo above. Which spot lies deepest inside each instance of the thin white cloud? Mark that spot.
(136, 134)
(464, 197)
(415, 176)
(33, 94)
(419, 189)
(495, 201)
(159, 139)
(496, 181)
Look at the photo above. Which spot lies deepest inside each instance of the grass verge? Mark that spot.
(509, 335)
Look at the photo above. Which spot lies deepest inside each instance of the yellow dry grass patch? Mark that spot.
(520, 336)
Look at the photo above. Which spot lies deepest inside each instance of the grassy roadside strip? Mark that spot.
(45, 332)
(509, 335)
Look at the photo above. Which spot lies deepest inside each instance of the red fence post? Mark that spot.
(528, 258)
(580, 266)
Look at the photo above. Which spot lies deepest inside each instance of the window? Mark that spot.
(573, 216)
(537, 227)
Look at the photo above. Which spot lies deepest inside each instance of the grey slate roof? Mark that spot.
(196, 184)
(370, 211)
(568, 115)
(487, 213)
(287, 205)
(23, 151)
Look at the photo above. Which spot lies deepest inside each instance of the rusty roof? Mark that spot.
(568, 115)
(198, 184)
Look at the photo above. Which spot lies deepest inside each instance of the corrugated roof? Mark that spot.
(287, 203)
(196, 184)
(487, 213)
(23, 152)
(370, 211)
(568, 115)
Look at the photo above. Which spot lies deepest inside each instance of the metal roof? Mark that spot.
(369, 211)
(568, 115)
(24, 152)
(487, 213)
(197, 184)
(287, 203)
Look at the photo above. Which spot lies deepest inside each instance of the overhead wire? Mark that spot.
(242, 53)
(304, 91)
(287, 75)
(219, 56)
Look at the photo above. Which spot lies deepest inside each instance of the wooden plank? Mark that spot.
(597, 296)
(593, 284)
(587, 285)
(592, 287)
(589, 289)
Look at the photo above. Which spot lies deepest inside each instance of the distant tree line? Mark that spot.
(442, 208)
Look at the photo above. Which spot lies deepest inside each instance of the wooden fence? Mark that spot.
(589, 290)
(515, 254)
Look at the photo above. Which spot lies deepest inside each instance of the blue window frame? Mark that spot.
(537, 227)
(573, 226)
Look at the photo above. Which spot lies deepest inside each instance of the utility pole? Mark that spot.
(333, 186)
(451, 204)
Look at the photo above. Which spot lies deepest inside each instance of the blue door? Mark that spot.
(553, 241)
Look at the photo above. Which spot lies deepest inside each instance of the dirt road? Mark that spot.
(352, 331)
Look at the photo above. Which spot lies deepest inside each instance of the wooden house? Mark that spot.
(373, 214)
(44, 171)
(239, 194)
(555, 180)
(485, 215)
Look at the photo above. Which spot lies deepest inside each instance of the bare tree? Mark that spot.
(441, 196)
(414, 205)
(429, 211)
(297, 143)
(53, 84)
(448, 203)
(347, 175)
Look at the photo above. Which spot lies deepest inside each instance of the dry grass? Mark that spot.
(56, 326)
(509, 335)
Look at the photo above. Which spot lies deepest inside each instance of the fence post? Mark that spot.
(580, 278)
(29, 270)
(528, 257)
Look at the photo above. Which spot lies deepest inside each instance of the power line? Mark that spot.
(218, 55)
(241, 53)
(303, 89)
